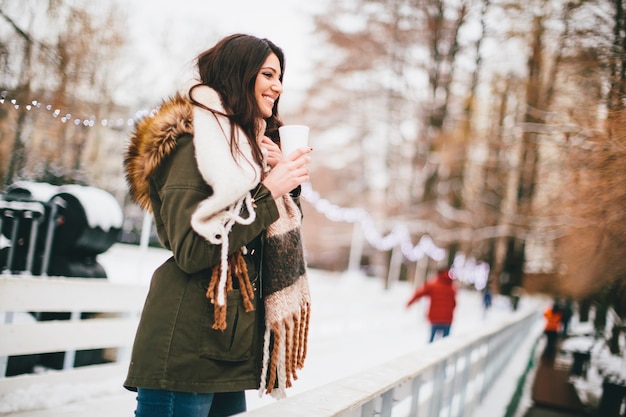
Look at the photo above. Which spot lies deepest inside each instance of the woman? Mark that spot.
(229, 310)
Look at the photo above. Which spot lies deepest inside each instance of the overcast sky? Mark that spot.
(165, 36)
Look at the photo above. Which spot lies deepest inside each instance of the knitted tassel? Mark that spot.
(285, 347)
(247, 292)
(219, 310)
(303, 335)
(236, 266)
(286, 357)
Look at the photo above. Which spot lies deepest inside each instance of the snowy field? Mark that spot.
(355, 325)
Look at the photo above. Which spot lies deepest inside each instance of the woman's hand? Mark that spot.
(288, 173)
(274, 155)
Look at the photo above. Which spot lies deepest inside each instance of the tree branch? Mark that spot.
(17, 29)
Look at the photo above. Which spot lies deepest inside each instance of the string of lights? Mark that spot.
(399, 235)
(466, 270)
(86, 121)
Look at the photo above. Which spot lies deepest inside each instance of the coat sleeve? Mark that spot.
(176, 193)
(191, 251)
(419, 293)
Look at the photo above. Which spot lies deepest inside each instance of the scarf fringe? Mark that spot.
(284, 350)
(236, 266)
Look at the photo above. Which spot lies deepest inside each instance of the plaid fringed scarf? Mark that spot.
(286, 298)
(287, 301)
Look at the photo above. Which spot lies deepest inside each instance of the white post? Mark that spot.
(420, 271)
(436, 395)
(57, 202)
(7, 318)
(416, 386)
(124, 352)
(356, 248)
(70, 355)
(394, 266)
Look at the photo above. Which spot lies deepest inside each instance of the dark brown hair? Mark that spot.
(230, 68)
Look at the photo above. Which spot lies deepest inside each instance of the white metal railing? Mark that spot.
(448, 378)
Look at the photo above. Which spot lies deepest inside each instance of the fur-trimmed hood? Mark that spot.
(152, 140)
(231, 177)
(155, 137)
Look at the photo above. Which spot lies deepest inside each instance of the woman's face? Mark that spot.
(268, 86)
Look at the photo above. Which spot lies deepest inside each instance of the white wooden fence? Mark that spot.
(113, 328)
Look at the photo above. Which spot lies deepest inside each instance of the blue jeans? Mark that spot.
(435, 328)
(162, 403)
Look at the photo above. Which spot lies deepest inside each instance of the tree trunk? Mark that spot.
(18, 157)
(529, 160)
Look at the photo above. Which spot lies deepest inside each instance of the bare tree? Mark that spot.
(400, 55)
(592, 253)
(65, 60)
(547, 35)
(23, 87)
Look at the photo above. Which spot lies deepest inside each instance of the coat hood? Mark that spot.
(444, 277)
(152, 140)
(230, 175)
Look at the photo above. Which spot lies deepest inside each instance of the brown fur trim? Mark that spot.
(153, 139)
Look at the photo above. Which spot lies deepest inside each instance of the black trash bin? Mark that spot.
(88, 222)
(613, 395)
(580, 364)
(25, 217)
(79, 223)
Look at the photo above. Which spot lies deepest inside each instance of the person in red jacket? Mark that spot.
(442, 294)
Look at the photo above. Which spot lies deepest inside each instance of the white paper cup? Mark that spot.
(293, 137)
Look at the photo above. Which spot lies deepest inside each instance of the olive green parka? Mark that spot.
(175, 346)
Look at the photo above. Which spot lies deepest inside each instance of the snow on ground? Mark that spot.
(355, 325)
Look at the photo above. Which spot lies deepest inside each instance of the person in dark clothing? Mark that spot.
(487, 300)
(442, 294)
(567, 314)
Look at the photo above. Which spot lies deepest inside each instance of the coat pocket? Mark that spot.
(235, 343)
